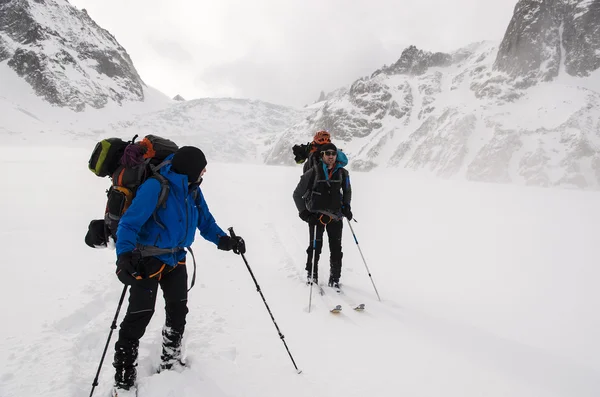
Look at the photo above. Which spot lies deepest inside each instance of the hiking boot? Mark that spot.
(175, 365)
(171, 357)
(125, 361)
(334, 282)
(314, 279)
(125, 377)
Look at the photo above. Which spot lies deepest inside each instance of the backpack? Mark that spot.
(106, 156)
(138, 161)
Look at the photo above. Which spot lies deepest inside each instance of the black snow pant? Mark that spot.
(334, 235)
(142, 299)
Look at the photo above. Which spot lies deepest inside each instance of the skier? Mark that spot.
(150, 253)
(322, 198)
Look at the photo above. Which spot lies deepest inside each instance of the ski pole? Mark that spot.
(232, 233)
(113, 326)
(312, 266)
(363, 258)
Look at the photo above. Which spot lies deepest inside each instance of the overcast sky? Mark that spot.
(285, 51)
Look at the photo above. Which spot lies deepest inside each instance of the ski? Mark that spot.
(319, 287)
(336, 309)
(357, 307)
(321, 290)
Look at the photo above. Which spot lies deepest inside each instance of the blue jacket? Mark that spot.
(180, 218)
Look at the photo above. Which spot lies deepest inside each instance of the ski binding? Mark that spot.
(336, 309)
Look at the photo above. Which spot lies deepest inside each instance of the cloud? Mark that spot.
(171, 50)
(285, 52)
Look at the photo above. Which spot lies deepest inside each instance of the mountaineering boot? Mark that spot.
(171, 357)
(125, 361)
(334, 282)
(335, 271)
(314, 279)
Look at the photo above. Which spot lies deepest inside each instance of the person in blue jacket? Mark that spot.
(151, 252)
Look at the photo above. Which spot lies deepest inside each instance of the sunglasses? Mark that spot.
(329, 153)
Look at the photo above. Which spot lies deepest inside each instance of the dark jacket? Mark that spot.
(185, 210)
(322, 191)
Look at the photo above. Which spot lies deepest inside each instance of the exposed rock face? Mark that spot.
(415, 62)
(544, 35)
(65, 56)
(178, 98)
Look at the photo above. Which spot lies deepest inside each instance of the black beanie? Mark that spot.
(327, 146)
(190, 161)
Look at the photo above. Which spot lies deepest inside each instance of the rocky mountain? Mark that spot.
(544, 36)
(525, 111)
(65, 56)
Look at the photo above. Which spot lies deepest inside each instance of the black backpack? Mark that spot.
(130, 164)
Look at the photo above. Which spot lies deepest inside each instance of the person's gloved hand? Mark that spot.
(347, 211)
(237, 244)
(312, 218)
(127, 265)
(96, 236)
(304, 215)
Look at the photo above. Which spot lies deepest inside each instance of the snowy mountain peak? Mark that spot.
(453, 115)
(65, 56)
(544, 36)
(416, 62)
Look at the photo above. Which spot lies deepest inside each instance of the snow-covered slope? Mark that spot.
(485, 292)
(461, 118)
(233, 130)
(526, 111)
(65, 56)
(227, 129)
(29, 119)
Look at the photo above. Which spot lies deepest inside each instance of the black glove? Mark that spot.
(96, 236)
(127, 266)
(347, 212)
(301, 153)
(312, 218)
(236, 244)
(304, 215)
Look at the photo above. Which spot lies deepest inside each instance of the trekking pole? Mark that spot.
(112, 328)
(232, 233)
(312, 266)
(363, 258)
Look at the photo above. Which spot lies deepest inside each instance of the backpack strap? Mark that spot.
(194, 261)
(164, 189)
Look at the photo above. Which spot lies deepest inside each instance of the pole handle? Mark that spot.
(231, 232)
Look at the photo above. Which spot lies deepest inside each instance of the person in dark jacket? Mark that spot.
(322, 198)
(151, 253)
